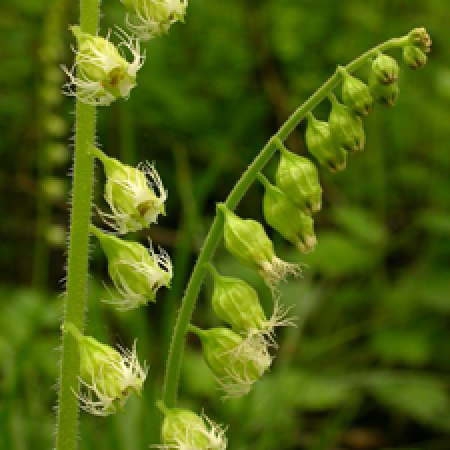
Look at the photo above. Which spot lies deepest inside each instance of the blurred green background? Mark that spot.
(368, 365)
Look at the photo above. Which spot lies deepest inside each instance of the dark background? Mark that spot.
(368, 365)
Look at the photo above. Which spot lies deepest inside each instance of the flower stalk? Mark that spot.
(75, 300)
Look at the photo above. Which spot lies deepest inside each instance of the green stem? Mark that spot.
(188, 304)
(75, 302)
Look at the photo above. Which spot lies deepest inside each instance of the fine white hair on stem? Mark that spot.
(124, 375)
(157, 274)
(144, 23)
(136, 188)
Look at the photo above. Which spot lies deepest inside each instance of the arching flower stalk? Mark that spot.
(136, 196)
(100, 74)
(150, 18)
(185, 430)
(107, 377)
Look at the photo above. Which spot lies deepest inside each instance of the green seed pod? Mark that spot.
(150, 18)
(355, 93)
(420, 38)
(237, 303)
(386, 94)
(298, 178)
(182, 429)
(137, 272)
(247, 240)
(414, 57)
(107, 376)
(385, 68)
(236, 362)
(321, 145)
(136, 196)
(100, 74)
(286, 218)
(346, 127)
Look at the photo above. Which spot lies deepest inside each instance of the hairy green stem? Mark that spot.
(75, 300)
(215, 233)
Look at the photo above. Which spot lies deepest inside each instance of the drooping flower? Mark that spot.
(185, 430)
(107, 377)
(247, 240)
(136, 196)
(355, 93)
(137, 272)
(100, 74)
(236, 362)
(385, 68)
(150, 18)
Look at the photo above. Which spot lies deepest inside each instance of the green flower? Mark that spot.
(182, 430)
(100, 74)
(248, 242)
(355, 93)
(286, 218)
(385, 69)
(137, 272)
(136, 196)
(298, 178)
(150, 18)
(414, 57)
(386, 94)
(236, 362)
(107, 377)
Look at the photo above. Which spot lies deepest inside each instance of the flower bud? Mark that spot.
(298, 178)
(137, 272)
(107, 377)
(150, 18)
(182, 429)
(247, 240)
(420, 38)
(414, 57)
(136, 196)
(346, 127)
(321, 145)
(100, 74)
(355, 93)
(386, 94)
(385, 68)
(236, 362)
(237, 303)
(277, 208)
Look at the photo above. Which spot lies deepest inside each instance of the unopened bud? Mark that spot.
(419, 37)
(150, 18)
(182, 429)
(298, 178)
(100, 74)
(247, 240)
(137, 272)
(235, 361)
(355, 93)
(386, 94)
(286, 218)
(136, 196)
(385, 68)
(346, 127)
(414, 57)
(107, 377)
(321, 145)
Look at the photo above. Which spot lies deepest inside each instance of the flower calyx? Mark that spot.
(100, 74)
(321, 145)
(277, 207)
(136, 272)
(385, 69)
(107, 376)
(346, 127)
(355, 94)
(385, 94)
(136, 196)
(298, 178)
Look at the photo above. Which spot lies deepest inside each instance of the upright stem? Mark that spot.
(216, 230)
(75, 302)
